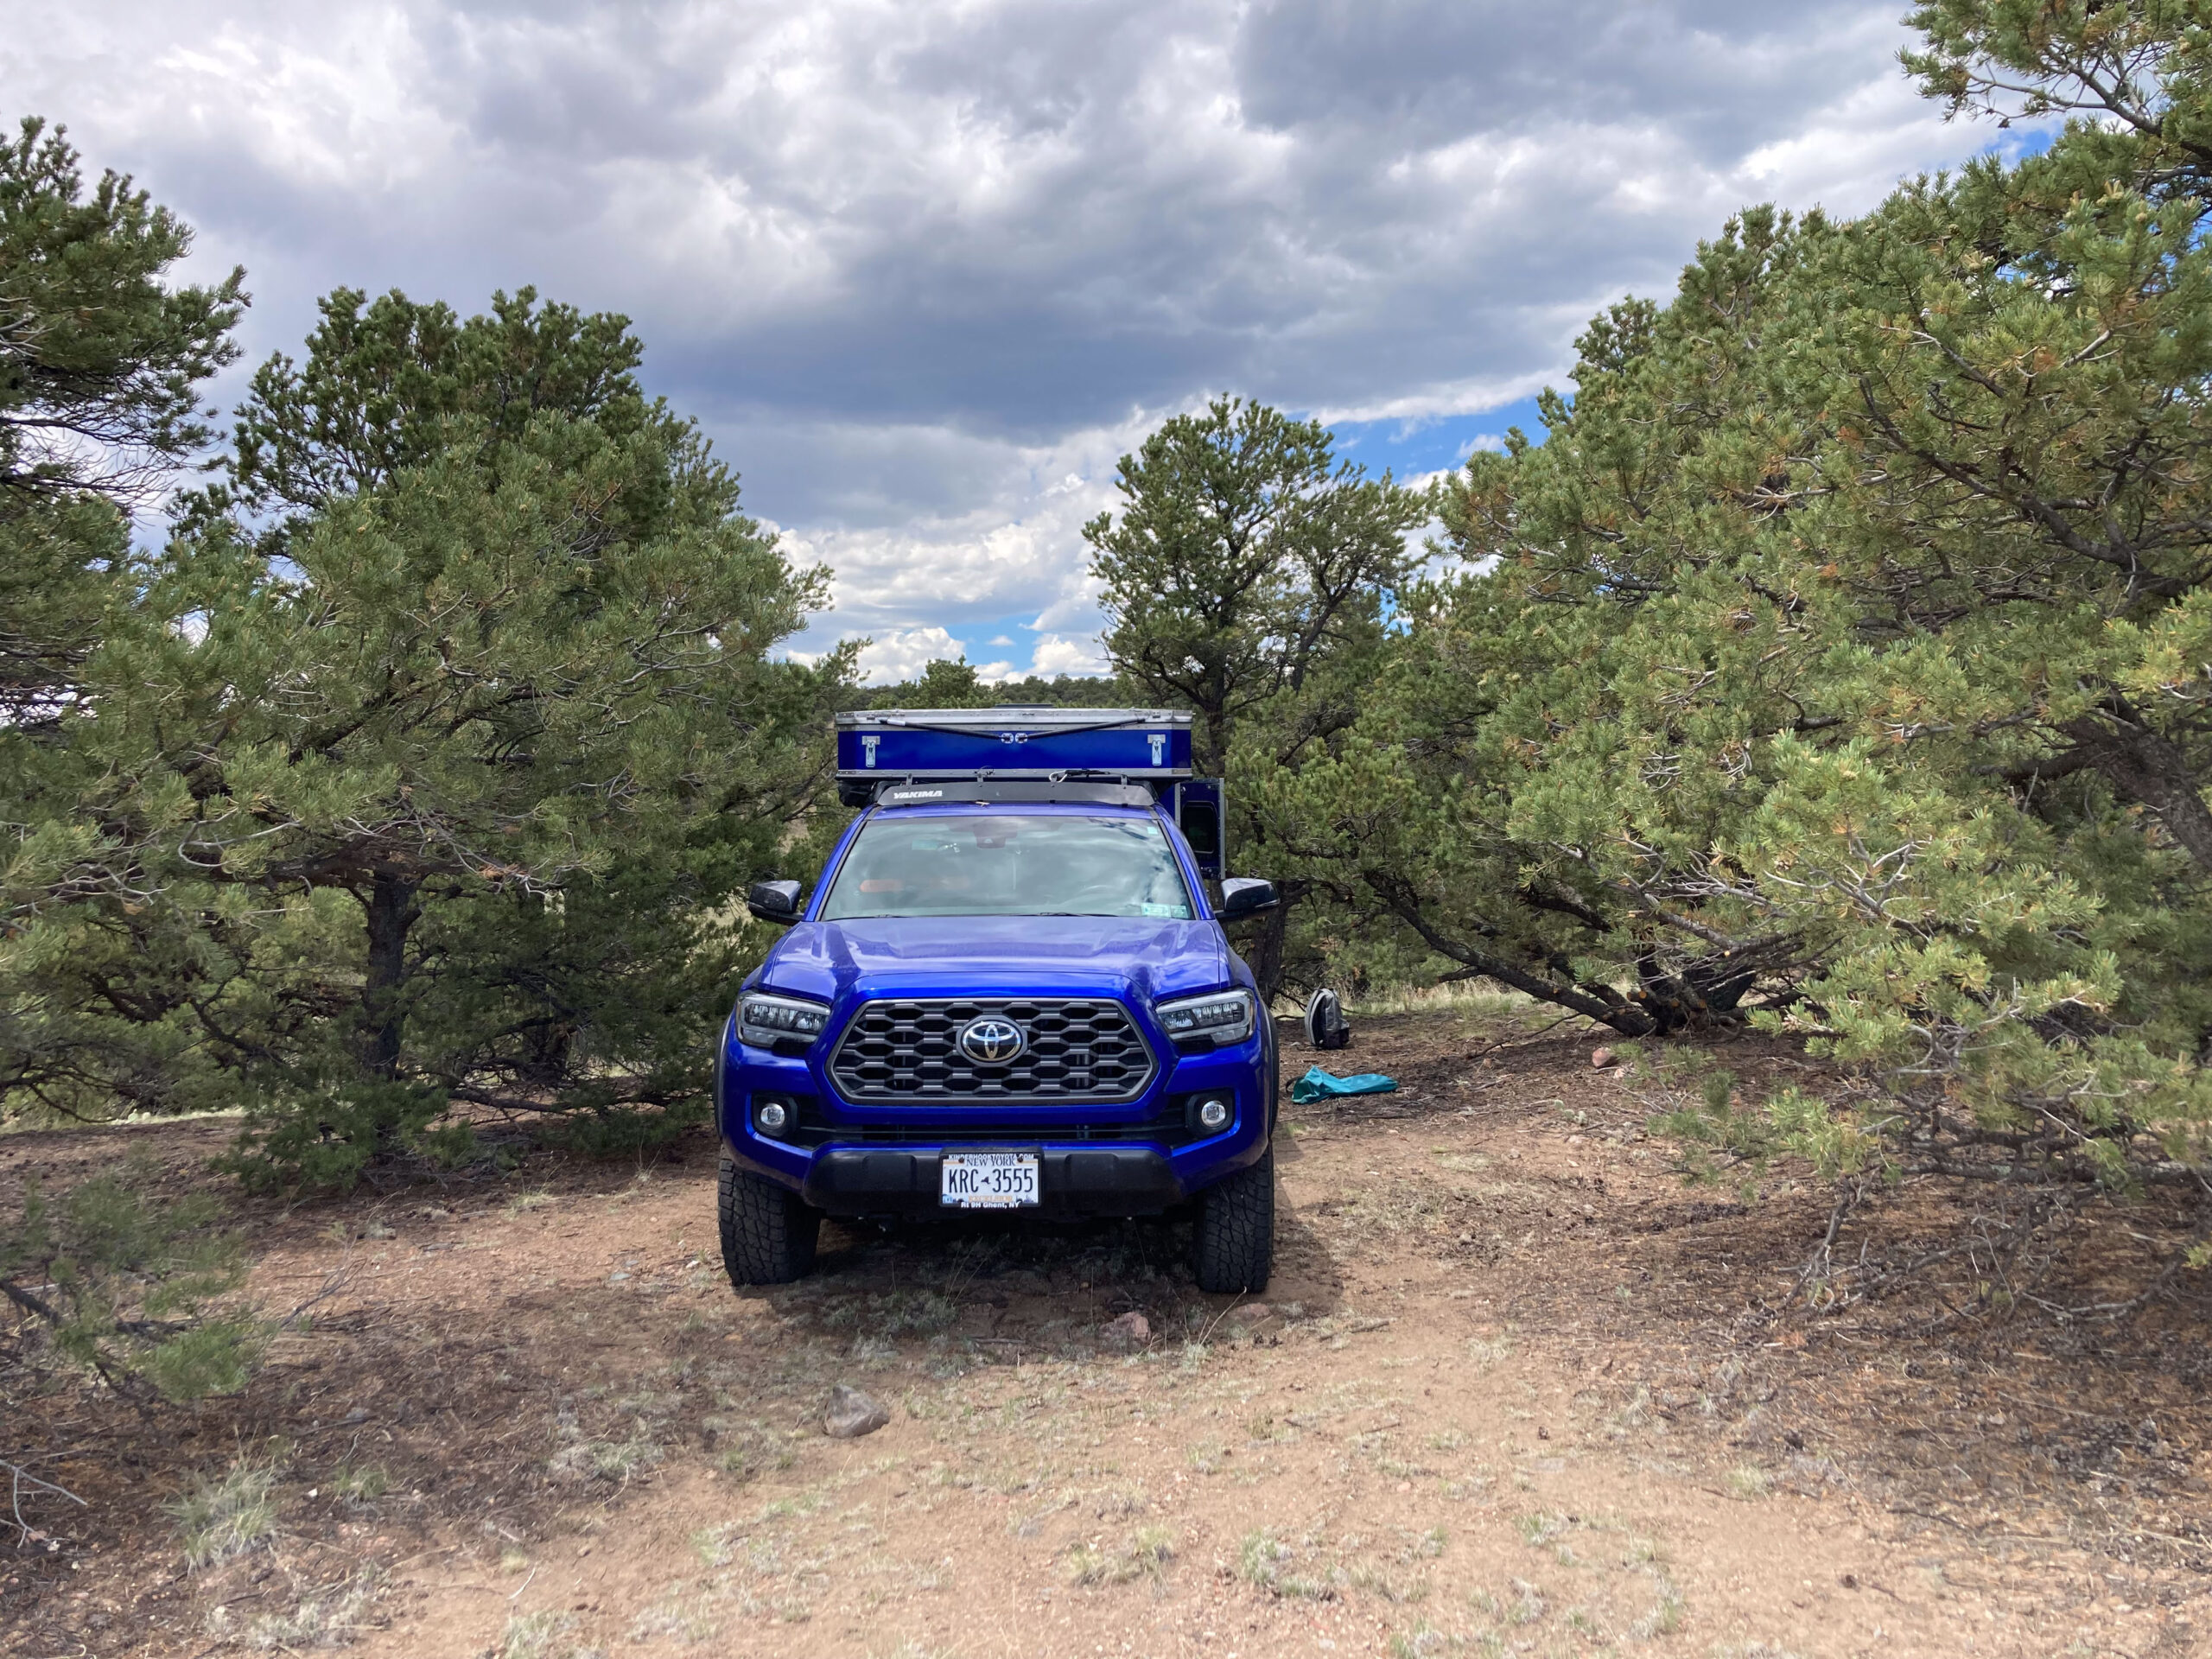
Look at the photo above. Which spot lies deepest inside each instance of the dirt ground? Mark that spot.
(1516, 1388)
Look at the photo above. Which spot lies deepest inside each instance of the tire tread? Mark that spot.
(768, 1233)
(1233, 1251)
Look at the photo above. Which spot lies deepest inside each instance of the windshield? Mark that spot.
(1037, 866)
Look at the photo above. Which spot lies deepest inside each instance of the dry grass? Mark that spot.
(330, 1617)
(1145, 1555)
(536, 1635)
(219, 1516)
(1465, 999)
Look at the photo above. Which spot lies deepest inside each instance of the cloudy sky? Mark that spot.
(925, 268)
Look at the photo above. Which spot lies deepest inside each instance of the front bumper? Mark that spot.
(1134, 1159)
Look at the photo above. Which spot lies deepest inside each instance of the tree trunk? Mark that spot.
(1624, 1017)
(1267, 952)
(392, 910)
(2141, 765)
(1214, 763)
(2149, 768)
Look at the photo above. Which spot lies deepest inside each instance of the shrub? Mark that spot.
(138, 1287)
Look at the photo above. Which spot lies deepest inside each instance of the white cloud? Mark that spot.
(903, 653)
(926, 267)
(1062, 654)
(1014, 550)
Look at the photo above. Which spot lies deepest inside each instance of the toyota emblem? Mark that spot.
(991, 1041)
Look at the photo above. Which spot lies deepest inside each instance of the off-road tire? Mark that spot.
(768, 1233)
(1233, 1248)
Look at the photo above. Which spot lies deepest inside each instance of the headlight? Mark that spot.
(762, 1020)
(1225, 1016)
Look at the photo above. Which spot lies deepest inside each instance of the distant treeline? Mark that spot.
(956, 685)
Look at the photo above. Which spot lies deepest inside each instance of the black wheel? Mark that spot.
(1235, 1248)
(768, 1234)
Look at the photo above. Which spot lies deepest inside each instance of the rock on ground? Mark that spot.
(852, 1413)
(1132, 1330)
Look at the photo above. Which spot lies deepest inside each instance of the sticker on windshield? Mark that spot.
(1168, 912)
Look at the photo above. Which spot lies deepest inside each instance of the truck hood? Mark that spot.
(985, 955)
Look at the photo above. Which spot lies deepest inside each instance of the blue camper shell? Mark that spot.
(1024, 741)
(871, 1116)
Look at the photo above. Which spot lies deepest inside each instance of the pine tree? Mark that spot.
(442, 736)
(1839, 660)
(1248, 579)
(101, 365)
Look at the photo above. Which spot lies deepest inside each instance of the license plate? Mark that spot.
(988, 1180)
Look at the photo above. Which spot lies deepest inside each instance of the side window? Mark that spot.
(1197, 809)
(1202, 828)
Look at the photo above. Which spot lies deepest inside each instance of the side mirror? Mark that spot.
(1245, 895)
(774, 901)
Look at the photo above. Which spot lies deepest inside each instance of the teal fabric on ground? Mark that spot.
(1317, 1085)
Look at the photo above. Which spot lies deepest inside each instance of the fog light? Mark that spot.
(771, 1116)
(1214, 1114)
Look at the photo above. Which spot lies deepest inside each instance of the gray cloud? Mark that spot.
(918, 263)
(1726, 75)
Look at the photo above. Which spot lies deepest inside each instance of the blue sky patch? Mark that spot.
(1412, 448)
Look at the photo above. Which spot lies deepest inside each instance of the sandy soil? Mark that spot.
(1516, 1388)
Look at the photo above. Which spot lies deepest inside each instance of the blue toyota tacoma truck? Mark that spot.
(1012, 990)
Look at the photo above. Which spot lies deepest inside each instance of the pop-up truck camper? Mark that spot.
(1011, 990)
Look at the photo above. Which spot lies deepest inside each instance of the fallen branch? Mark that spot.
(18, 1477)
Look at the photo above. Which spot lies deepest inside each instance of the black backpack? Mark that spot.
(1326, 1026)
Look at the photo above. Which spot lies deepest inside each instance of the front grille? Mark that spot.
(1078, 1048)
